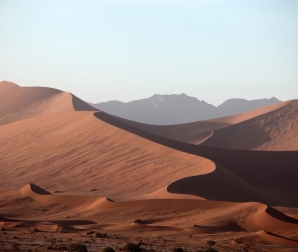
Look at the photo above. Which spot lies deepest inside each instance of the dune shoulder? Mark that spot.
(27, 102)
(274, 130)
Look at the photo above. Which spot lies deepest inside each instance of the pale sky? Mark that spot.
(124, 50)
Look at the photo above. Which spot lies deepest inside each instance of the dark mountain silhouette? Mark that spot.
(238, 106)
(178, 109)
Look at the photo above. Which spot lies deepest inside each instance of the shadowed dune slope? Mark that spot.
(19, 103)
(272, 173)
(276, 130)
(198, 132)
(206, 186)
(77, 152)
(33, 189)
(193, 133)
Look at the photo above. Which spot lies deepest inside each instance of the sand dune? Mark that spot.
(94, 170)
(32, 189)
(193, 133)
(83, 151)
(40, 195)
(26, 102)
(273, 173)
(276, 239)
(77, 152)
(250, 115)
(262, 222)
(276, 130)
(198, 132)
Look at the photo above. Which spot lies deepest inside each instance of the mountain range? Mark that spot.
(177, 109)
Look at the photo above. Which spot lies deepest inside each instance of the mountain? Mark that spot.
(238, 106)
(177, 109)
(161, 109)
(270, 128)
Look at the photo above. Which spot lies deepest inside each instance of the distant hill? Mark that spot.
(178, 109)
(161, 109)
(238, 106)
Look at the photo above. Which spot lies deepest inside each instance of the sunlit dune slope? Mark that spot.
(77, 151)
(18, 103)
(276, 130)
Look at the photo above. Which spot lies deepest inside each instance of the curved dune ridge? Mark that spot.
(68, 151)
(276, 130)
(32, 189)
(25, 102)
(272, 173)
(79, 148)
(41, 195)
(275, 239)
(198, 132)
(77, 152)
(265, 223)
(194, 133)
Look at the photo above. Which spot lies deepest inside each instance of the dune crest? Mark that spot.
(118, 163)
(26, 102)
(71, 201)
(276, 130)
(272, 173)
(87, 153)
(33, 189)
(276, 239)
(7, 85)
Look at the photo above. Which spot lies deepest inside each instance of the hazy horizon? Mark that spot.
(191, 96)
(128, 50)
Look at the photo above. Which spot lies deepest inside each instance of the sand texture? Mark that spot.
(67, 169)
(275, 131)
